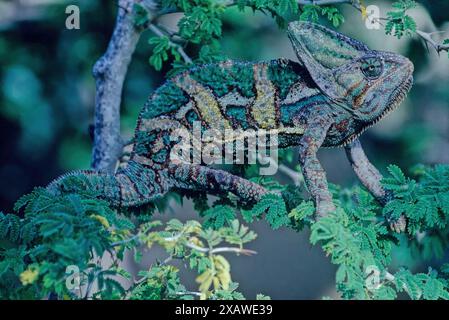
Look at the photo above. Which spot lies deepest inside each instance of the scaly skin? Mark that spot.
(338, 90)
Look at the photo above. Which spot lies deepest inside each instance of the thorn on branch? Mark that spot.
(428, 40)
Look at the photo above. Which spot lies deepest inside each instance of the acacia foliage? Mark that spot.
(48, 233)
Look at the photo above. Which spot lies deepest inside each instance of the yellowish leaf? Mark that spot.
(29, 276)
(101, 219)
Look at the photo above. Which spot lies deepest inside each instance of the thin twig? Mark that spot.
(427, 37)
(122, 242)
(193, 293)
(192, 245)
(172, 34)
(295, 176)
(157, 31)
(220, 249)
(209, 250)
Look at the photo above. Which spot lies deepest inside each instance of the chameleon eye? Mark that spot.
(371, 67)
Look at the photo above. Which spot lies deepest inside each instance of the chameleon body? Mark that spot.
(338, 89)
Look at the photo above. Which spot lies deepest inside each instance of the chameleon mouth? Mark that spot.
(396, 98)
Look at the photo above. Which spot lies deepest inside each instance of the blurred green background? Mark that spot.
(47, 101)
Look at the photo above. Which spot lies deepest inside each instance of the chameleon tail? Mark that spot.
(132, 185)
(105, 185)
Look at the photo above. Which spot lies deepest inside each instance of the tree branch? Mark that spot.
(109, 73)
(427, 37)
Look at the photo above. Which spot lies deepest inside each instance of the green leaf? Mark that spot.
(274, 208)
(261, 296)
(141, 17)
(396, 173)
(399, 23)
(310, 13)
(218, 216)
(305, 210)
(333, 15)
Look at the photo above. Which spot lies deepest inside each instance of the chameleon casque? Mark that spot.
(338, 89)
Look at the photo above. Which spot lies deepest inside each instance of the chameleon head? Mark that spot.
(367, 83)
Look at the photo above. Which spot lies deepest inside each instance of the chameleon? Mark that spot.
(337, 90)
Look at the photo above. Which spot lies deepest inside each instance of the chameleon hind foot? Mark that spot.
(197, 177)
